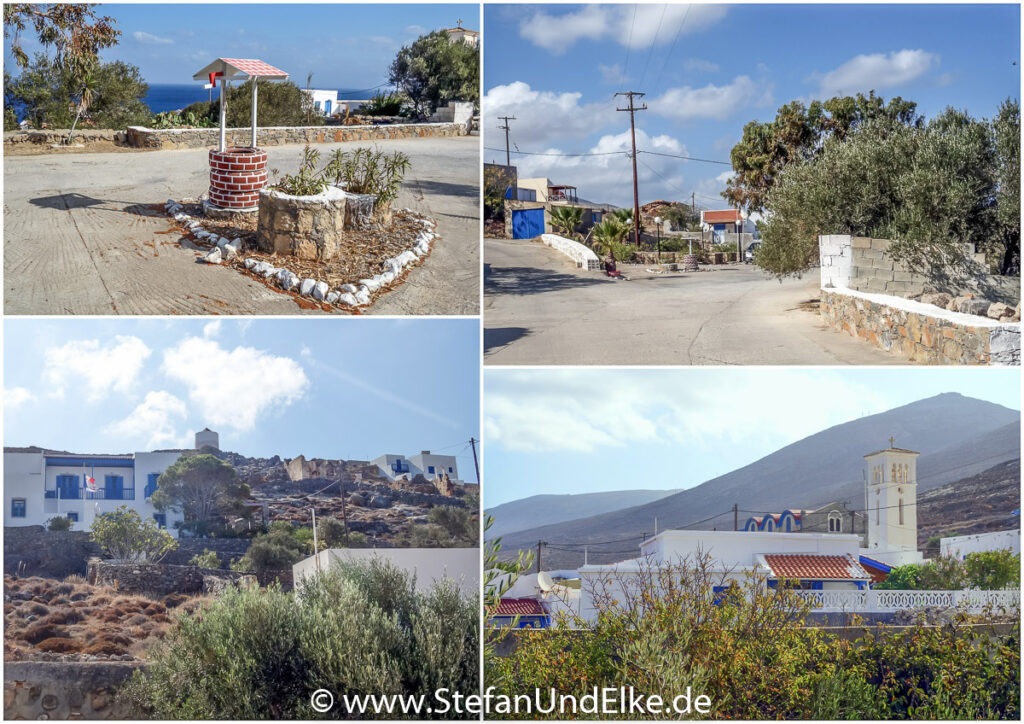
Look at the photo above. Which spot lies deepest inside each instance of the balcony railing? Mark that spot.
(101, 494)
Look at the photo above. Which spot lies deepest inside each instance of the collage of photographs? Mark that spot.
(492, 361)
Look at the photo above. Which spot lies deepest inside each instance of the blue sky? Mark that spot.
(591, 430)
(707, 70)
(344, 45)
(349, 389)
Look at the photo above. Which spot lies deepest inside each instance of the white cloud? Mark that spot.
(15, 396)
(636, 26)
(212, 329)
(612, 74)
(102, 369)
(711, 101)
(542, 116)
(699, 65)
(154, 420)
(608, 178)
(593, 410)
(233, 388)
(150, 39)
(876, 71)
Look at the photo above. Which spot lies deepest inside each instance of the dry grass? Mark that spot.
(74, 617)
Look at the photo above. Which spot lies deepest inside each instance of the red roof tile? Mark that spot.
(721, 217)
(520, 607)
(816, 566)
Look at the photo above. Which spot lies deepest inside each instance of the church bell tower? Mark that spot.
(891, 504)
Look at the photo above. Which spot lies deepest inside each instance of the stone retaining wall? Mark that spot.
(85, 136)
(921, 332)
(161, 579)
(32, 550)
(227, 549)
(64, 690)
(172, 138)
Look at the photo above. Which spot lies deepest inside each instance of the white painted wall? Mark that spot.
(963, 545)
(320, 98)
(441, 463)
(461, 565)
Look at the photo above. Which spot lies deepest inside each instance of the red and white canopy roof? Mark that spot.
(234, 68)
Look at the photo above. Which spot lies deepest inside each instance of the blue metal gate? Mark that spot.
(527, 223)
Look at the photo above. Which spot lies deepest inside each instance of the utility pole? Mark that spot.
(539, 544)
(735, 516)
(344, 509)
(632, 130)
(476, 464)
(508, 160)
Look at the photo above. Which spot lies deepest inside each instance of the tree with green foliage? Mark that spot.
(358, 628)
(682, 217)
(797, 134)
(123, 535)
(203, 487)
(930, 189)
(110, 95)
(993, 570)
(276, 550)
(435, 70)
(987, 571)
(1006, 130)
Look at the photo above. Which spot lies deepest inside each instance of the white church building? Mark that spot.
(813, 561)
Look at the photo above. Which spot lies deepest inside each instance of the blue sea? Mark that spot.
(175, 96)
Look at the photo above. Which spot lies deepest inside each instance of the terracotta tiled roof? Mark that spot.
(721, 217)
(815, 566)
(520, 607)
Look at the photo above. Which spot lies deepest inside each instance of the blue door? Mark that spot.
(114, 488)
(527, 223)
(67, 487)
(327, 107)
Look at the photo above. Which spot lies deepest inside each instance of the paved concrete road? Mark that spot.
(81, 236)
(540, 309)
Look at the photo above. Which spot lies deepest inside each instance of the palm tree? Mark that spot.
(85, 99)
(609, 232)
(566, 218)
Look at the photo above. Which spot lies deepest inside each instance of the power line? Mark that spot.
(563, 155)
(629, 43)
(686, 158)
(679, 30)
(654, 41)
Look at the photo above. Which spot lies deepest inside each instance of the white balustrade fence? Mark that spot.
(882, 601)
(584, 256)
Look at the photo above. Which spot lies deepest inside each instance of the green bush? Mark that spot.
(384, 104)
(356, 629)
(206, 559)
(59, 522)
(989, 571)
(123, 535)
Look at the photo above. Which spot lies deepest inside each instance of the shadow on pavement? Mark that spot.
(444, 188)
(71, 201)
(502, 336)
(528, 280)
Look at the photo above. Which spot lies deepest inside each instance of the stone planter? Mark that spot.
(309, 227)
(236, 177)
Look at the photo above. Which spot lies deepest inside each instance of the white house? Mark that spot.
(963, 545)
(325, 101)
(429, 565)
(460, 34)
(427, 464)
(43, 484)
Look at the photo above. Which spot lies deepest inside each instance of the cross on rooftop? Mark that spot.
(892, 442)
(459, 24)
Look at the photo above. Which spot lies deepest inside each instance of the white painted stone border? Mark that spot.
(584, 256)
(347, 295)
(1004, 337)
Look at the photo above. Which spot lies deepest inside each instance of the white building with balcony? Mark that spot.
(43, 484)
(427, 464)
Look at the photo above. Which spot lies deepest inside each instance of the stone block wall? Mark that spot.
(32, 550)
(863, 264)
(227, 549)
(920, 332)
(156, 579)
(64, 690)
(174, 138)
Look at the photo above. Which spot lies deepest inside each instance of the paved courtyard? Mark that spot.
(83, 234)
(540, 309)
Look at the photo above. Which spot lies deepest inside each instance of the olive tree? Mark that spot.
(202, 487)
(123, 535)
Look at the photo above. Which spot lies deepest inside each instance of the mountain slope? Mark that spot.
(956, 436)
(546, 509)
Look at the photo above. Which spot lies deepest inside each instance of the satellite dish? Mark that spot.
(544, 581)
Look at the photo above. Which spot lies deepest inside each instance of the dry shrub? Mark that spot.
(110, 615)
(105, 648)
(137, 620)
(115, 638)
(42, 631)
(59, 601)
(160, 618)
(36, 609)
(63, 618)
(74, 578)
(154, 608)
(173, 600)
(59, 645)
(9, 608)
(101, 601)
(79, 596)
(64, 589)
